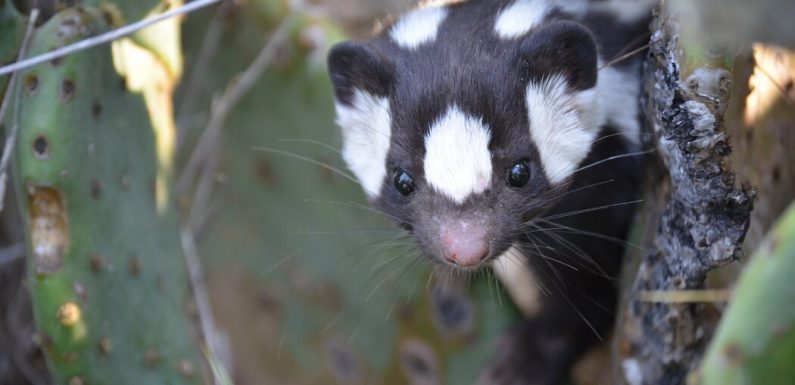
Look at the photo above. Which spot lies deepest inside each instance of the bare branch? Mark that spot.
(237, 88)
(212, 339)
(210, 43)
(205, 159)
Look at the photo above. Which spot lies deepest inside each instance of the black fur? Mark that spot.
(469, 66)
(355, 66)
(578, 304)
(560, 42)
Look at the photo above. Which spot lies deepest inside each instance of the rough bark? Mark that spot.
(698, 216)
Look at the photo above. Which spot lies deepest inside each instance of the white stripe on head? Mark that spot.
(457, 159)
(563, 125)
(418, 27)
(366, 131)
(521, 16)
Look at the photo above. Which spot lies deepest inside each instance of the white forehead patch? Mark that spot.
(563, 125)
(457, 158)
(520, 17)
(418, 27)
(366, 131)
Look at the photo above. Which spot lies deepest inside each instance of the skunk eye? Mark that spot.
(404, 183)
(519, 174)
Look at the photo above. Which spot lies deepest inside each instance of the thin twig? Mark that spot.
(197, 77)
(624, 56)
(221, 108)
(105, 37)
(11, 139)
(781, 89)
(196, 277)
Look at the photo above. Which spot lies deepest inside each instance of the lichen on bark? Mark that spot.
(697, 213)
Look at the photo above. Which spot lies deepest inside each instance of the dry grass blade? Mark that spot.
(684, 296)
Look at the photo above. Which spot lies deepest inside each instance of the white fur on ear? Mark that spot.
(619, 92)
(418, 27)
(366, 133)
(563, 124)
(520, 17)
(457, 158)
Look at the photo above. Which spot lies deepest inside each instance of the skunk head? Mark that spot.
(463, 129)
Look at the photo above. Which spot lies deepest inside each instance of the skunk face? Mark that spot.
(469, 188)
(464, 122)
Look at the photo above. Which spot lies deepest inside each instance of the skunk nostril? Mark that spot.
(464, 245)
(469, 253)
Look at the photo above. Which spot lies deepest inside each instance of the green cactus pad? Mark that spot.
(755, 342)
(106, 271)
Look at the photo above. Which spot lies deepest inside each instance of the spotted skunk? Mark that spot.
(498, 130)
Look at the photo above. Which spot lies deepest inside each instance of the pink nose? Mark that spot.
(464, 243)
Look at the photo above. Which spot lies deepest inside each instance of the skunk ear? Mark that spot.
(355, 66)
(560, 64)
(560, 48)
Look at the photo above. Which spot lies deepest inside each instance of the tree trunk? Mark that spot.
(697, 215)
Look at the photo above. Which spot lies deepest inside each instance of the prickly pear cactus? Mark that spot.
(92, 171)
(755, 342)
